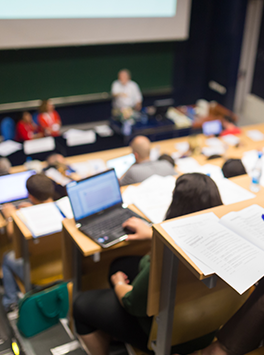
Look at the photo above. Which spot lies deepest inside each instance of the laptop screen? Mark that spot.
(212, 128)
(94, 194)
(121, 164)
(13, 186)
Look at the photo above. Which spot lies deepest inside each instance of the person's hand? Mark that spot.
(8, 209)
(142, 229)
(119, 277)
(25, 204)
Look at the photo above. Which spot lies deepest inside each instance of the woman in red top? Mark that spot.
(26, 129)
(49, 119)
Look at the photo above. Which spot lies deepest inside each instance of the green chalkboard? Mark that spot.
(29, 74)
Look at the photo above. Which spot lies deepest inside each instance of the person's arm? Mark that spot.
(142, 230)
(121, 287)
(7, 210)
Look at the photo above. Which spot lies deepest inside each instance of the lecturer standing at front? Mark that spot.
(125, 92)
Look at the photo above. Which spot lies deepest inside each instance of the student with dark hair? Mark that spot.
(40, 190)
(168, 158)
(233, 167)
(120, 312)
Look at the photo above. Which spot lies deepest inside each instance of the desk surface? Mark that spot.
(161, 238)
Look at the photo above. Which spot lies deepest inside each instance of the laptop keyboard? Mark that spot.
(111, 222)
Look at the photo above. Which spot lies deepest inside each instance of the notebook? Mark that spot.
(98, 208)
(121, 164)
(13, 187)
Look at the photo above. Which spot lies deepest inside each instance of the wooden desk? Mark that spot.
(42, 256)
(162, 285)
(77, 247)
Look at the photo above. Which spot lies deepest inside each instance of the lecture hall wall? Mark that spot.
(212, 52)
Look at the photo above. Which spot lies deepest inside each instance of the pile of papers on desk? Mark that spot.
(78, 137)
(154, 195)
(9, 147)
(232, 247)
(46, 218)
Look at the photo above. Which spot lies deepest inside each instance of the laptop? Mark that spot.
(13, 187)
(212, 128)
(98, 209)
(121, 164)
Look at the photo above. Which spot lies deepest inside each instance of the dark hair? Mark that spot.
(40, 186)
(193, 192)
(168, 158)
(233, 167)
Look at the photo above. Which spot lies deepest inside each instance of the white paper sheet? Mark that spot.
(231, 139)
(65, 206)
(153, 197)
(182, 147)
(255, 135)
(39, 145)
(231, 192)
(188, 165)
(235, 260)
(128, 195)
(216, 150)
(9, 147)
(72, 132)
(104, 131)
(89, 167)
(215, 172)
(248, 223)
(80, 138)
(56, 176)
(42, 219)
(154, 153)
(214, 142)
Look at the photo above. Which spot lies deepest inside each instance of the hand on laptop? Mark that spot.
(25, 204)
(140, 228)
(8, 209)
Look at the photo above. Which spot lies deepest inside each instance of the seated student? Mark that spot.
(48, 119)
(168, 158)
(5, 166)
(233, 167)
(244, 331)
(120, 312)
(144, 167)
(40, 190)
(26, 129)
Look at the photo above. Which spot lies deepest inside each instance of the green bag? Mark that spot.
(41, 310)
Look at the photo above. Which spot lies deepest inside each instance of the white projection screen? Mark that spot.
(38, 23)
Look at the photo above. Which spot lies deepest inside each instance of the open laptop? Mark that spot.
(98, 208)
(212, 128)
(13, 187)
(121, 164)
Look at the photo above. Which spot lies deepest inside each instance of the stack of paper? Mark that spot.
(78, 137)
(56, 176)
(255, 135)
(41, 219)
(89, 167)
(64, 205)
(9, 147)
(103, 131)
(231, 139)
(231, 192)
(232, 247)
(39, 145)
(152, 197)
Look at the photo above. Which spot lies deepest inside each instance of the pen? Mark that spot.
(262, 216)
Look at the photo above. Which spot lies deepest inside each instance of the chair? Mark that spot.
(199, 310)
(35, 117)
(8, 128)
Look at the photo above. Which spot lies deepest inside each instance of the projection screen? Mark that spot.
(31, 23)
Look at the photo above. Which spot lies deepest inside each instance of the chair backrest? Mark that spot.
(8, 128)
(35, 117)
(199, 310)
